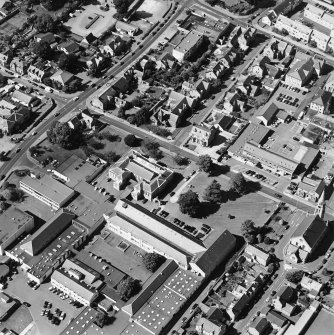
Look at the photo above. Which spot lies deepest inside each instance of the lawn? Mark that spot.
(231, 214)
(105, 146)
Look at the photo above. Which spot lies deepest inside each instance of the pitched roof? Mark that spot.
(48, 232)
(46, 37)
(74, 285)
(276, 319)
(210, 327)
(262, 325)
(69, 46)
(62, 77)
(311, 229)
(23, 97)
(252, 250)
(322, 98)
(269, 112)
(286, 293)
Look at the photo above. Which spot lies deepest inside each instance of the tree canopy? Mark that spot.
(44, 23)
(101, 319)
(238, 183)
(130, 140)
(41, 49)
(294, 276)
(53, 4)
(122, 6)
(189, 203)
(128, 287)
(213, 192)
(153, 261)
(152, 148)
(66, 62)
(248, 230)
(62, 134)
(205, 163)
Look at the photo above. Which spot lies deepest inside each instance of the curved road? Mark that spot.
(14, 158)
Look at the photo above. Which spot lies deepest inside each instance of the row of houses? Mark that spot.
(304, 33)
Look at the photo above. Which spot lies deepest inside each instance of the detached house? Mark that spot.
(285, 300)
(215, 70)
(329, 85)
(321, 101)
(202, 135)
(69, 47)
(45, 37)
(114, 47)
(301, 72)
(19, 66)
(62, 78)
(38, 71)
(6, 57)
(256, 255)
(212, 323)
(306, 238)
(196, 90)
(233, 103)
(170, 113)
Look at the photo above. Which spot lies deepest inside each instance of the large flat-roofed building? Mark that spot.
(188, 45)
(155, 234)
(48, 190)
(13, 224)
(269, 159)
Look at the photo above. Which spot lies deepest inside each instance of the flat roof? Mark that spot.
(189, 41)
(253, 132)
(49, 188)
(11, 220)
(81, 323)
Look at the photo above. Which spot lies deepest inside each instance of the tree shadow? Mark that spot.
(218, 170)
(252, 186)
(139, 15)
(207, 209)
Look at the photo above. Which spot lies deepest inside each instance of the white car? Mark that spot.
(75, 98)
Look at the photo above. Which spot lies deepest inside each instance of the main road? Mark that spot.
(71, 105)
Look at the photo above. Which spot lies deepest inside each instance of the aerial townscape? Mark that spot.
(166, 167)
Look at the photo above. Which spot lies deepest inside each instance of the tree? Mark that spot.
(238, 183)
(13, 194)
(44, 23)
(142, 116)
(267, 240)
(100, 319)
(294, 276)
(111, 157)
(66, 62)
(61, 133)
(122, 6)
(130, 140)
(248, 229)
(189, 203)
(153, 261)
(213, 192)
(2, 157)
(5, 185)
(53, 4)
(312, 44)
(271, 267)
(205, 163)
(152, 148)
(128, 287)
(41, 49)
(179, 160)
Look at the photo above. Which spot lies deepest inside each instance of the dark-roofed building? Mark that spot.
(152, 178)
(62, 78)
(48, 232)
(212, 323)
(321, 101)
(277, 320)
(285, 300)
(13, 224)
(45, 37)
(268, 113)
(260, 327)
(69, 47)
(306, 238)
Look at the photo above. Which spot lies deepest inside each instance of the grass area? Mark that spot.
(19, 320)
(96, 144)
(252, 206)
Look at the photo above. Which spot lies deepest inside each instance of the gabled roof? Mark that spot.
(286, 294)
(89, 39)
(69, 46)
(269, 112)
(252, 250)
(322, 98)
(48, 232)
(23, 97)
(311, 229)
(276, 319)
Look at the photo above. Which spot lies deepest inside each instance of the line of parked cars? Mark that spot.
(64, 296)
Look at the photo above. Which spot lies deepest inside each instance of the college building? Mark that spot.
(48, 190)
(152, 233)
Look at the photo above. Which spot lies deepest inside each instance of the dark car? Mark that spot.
(278, 195)
(26, 304)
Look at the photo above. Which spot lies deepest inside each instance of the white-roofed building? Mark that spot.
(47, 190)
